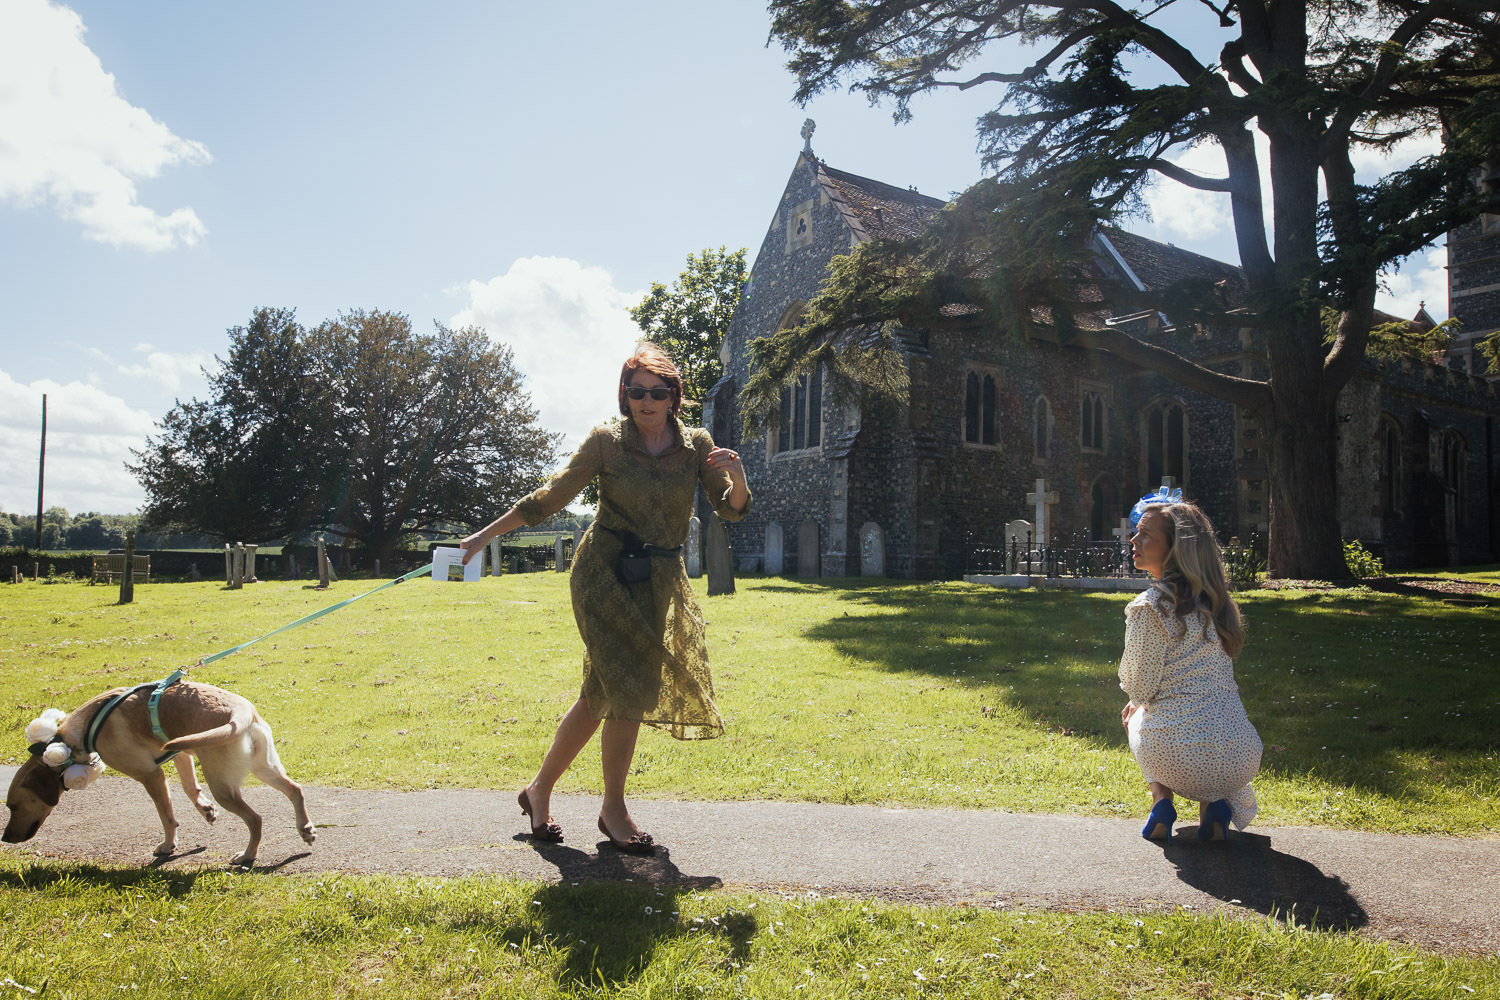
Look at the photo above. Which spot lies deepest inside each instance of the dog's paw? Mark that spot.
(244, 861)
(209, 810)
(309, 833)
(165, 848)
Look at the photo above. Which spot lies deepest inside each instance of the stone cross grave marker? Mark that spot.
(1018, 536)
(560, 554)
(1043, 498)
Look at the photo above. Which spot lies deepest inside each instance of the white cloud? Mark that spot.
(1179, 212)
(89, 437)
(72, 141)
(570, 331)
(170, 372)
(1423, 278)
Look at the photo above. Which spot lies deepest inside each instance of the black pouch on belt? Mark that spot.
(634, 563)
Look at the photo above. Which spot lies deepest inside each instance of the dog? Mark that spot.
(221, 729)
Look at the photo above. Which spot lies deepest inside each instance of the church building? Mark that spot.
(910, 490)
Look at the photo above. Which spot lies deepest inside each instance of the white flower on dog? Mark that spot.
(54, 716)
(41, 730)
(78, 776)
(57, 754)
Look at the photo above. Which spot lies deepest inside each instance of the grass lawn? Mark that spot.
(81, 931)
(1376, 709)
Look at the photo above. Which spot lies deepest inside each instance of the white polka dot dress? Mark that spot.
(1191, 732)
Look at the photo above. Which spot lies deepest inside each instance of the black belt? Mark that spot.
(633, 544)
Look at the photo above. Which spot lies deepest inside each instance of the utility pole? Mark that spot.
(41, 467)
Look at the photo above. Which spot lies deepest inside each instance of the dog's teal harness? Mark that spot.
(153, 705)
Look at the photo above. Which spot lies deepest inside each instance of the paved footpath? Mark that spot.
(1438, 892)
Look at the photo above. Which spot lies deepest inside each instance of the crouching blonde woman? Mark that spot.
(1185, 722)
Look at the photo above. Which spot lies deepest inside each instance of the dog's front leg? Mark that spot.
(156, 787)
(200, 799)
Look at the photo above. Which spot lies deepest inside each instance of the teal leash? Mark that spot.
(153, 701)
(424, 570)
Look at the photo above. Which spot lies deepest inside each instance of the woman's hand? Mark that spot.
(729, 460)
(1125, 713)
(502, 525)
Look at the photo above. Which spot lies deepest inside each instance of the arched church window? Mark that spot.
(1166, 442)
(981, 405)
(1390, 467)
(1041, 429)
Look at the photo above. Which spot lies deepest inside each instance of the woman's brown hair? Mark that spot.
(649, 357)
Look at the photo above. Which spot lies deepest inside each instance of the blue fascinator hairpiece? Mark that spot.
(1162, 495)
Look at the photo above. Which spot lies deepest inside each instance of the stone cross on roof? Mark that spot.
(808, 128)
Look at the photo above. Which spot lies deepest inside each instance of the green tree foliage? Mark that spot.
(689, 320)
(1113, 95)
(359, 427)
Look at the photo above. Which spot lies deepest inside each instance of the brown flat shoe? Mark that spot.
(549, 831)
(641, 843)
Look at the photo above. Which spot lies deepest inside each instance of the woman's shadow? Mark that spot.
(611, 938)
(1247, 871)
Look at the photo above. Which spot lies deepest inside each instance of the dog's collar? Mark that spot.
(40, 747)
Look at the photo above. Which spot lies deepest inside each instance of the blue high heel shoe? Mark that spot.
(1163, 815)
(1215, 823)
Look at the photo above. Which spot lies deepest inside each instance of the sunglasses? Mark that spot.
(659, 393)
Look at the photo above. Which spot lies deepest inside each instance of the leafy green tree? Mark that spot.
(250, 463)
(689, 320)
(359, 427)
(427, 430)
(1293, 89)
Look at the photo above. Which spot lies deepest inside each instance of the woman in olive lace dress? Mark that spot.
(645, 659)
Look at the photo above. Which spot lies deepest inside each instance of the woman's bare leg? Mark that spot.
(1159, 792)
(617, 746)
(573, 734)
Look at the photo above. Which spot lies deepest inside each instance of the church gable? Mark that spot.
(989, 415)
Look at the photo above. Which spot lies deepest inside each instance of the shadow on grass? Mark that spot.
(36, 877)
(1247, 871)
(1357, 688)
(611, 936)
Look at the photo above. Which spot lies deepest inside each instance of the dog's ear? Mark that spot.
(39, 779)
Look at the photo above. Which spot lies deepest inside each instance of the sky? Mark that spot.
(168, 167)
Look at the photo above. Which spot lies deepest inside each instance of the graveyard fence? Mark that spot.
(1076, 558)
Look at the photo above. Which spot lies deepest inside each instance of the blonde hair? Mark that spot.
(1193, 573)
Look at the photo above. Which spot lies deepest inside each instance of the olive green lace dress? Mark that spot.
(645, 659)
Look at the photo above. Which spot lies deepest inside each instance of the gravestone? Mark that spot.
(1018, 538)
(1043, 499)
(291, 567)
(871, 550)
(1123, 534)
(693, 548)
(325, 571)
(228, 565)
(250, 563)
(560, 554)
(809, 549)
(775, 554)
(495, 556)
(237, 566)
(193, 574)
(720, 558)
(127, 580)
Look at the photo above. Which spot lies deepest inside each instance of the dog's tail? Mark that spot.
(238, 722)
